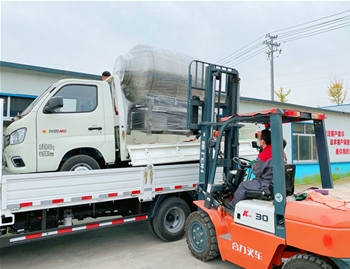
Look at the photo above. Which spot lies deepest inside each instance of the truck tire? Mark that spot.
(201, 236)
(80, 163)
(150, 226)
(305, 261)
(169, 221)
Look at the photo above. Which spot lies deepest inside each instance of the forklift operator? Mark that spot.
(262, 169)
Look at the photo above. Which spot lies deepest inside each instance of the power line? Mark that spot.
(302, 33)
(315, 29)
(317, 32)
(318, 55)
(240, 49)
(311, 21)
(249, 56)
(304, 29)
(234, 58)
(289, 34)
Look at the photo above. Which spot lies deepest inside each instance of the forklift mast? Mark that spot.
(218, 97)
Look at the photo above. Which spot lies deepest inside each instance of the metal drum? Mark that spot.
(156, 79)
(149, 72)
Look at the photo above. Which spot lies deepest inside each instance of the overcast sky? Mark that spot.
(87, 36)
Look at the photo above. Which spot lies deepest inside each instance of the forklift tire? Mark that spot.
(201, 236)
(305, 261)
(169, 222)
(80, 163)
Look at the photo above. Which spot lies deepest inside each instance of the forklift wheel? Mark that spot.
(305, 261)
(201, 236)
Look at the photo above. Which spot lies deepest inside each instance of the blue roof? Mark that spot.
(342, 107)
(48, 70)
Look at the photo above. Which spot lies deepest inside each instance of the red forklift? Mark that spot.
(272, 229)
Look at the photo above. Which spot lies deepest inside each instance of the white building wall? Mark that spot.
(30, 82)
(24, 82)
(337, 127)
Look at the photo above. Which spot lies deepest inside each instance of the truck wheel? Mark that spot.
(150, 226)
(306, 261)
(201, 236)
(169, 222)
(80, 163)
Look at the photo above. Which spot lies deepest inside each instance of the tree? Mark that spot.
(281, 95)
(336, 92)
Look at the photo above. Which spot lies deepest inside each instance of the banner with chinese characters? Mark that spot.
(339, 143)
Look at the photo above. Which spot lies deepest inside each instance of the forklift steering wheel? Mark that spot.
(243, 162)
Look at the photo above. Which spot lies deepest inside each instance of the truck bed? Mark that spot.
(27, 192)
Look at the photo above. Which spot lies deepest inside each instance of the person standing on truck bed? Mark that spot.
(105, 75)
(261, 168)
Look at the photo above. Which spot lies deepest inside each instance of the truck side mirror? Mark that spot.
(54, 103)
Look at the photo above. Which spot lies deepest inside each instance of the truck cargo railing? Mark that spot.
(26, 192)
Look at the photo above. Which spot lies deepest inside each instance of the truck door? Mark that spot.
(78, 124)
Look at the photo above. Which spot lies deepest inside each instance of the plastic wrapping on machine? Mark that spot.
(155, 82)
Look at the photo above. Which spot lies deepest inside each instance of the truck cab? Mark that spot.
(71, 118)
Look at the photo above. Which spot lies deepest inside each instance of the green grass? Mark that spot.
(317, 178)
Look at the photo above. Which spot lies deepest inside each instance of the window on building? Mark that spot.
(304, 142)
(78, 98)
(4, 112)
(14, 105)
(18, 104)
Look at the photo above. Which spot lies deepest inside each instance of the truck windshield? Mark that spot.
(36, 100)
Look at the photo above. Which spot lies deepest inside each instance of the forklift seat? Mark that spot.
(267, 193)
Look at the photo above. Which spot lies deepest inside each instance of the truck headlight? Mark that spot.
(17, 137)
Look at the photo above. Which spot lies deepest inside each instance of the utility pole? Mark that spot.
(273, 47)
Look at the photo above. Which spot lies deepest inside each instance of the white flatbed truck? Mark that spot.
(38, 204)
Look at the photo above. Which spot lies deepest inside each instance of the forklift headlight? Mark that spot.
(17, 137)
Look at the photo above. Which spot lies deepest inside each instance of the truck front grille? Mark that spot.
(7, 140)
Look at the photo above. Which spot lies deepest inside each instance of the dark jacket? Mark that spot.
(262, 168)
